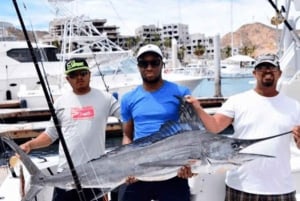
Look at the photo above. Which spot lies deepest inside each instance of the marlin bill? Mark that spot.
(153, 158)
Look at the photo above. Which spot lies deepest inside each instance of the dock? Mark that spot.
(18, 123)
(211, 102)
(11, 104)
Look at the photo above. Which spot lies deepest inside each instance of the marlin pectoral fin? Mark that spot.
(169, 163)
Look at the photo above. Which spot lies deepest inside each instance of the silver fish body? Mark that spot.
(153, 158)
(155, 161)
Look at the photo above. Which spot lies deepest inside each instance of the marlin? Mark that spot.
(154, 158)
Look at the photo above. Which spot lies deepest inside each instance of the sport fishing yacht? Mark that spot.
(113, 69)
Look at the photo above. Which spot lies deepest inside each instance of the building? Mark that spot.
(60, 28)
(200, 40)
(178, 31)
(148, 33)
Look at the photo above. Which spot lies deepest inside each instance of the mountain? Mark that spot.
(264, 38)
(20, 35)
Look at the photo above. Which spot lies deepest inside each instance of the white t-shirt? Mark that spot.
(83, 120)
(256, 116)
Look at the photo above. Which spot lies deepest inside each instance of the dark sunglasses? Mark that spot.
(144, 64)
(75, 74)
(267, 68)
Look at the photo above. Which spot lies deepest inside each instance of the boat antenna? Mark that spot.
(43, 57)
(101, 74)
(51, 108)
(231, 24)
(287, 24)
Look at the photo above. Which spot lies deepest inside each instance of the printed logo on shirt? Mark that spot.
(82, 113)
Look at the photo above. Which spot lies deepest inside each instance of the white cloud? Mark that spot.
(210, 17)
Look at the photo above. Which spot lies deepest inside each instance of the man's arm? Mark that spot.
(213, 123)
(127, 132)
(43, 140)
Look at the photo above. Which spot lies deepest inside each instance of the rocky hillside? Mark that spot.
(20, 35)
(262, 37)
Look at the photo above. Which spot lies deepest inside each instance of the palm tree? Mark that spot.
(199, 50)
(248, 50)
(180, 53)
(167, 43)
(226, 51)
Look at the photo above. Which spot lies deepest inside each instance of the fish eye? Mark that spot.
(235, 146)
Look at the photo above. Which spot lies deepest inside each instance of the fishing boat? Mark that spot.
(237, 66)
(113, 69)
(17, 69)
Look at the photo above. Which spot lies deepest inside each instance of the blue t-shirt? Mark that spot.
(149, 110)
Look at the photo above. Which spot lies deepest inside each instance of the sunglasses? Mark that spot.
(267, 68)
(154, 63)
(75, 74)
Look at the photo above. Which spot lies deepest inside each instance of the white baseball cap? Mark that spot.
(149, 48)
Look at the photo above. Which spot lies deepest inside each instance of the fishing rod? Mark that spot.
(287, 24)
(51, 108)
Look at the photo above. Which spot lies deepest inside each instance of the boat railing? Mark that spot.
(191, 71)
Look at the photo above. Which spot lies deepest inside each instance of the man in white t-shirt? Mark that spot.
(258, 113)
(82, 114)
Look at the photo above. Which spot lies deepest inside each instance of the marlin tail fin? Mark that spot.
(33, 170)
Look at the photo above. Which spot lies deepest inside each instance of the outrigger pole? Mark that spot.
(51, 108)
(287, 24)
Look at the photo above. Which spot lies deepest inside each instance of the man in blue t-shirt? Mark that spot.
(143, 111)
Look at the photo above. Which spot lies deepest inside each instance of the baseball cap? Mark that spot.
(75, 64)
(267, 58)
(149, 48)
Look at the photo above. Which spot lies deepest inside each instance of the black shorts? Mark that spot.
(175, 189)
(72, 195)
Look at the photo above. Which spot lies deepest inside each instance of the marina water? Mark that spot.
(229, 86)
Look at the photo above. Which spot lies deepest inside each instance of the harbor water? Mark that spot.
(229, 86)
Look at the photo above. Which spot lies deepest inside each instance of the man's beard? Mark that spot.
(268, 82)
(153, 81)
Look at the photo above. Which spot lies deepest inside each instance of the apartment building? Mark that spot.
(200, 40)
(178, 31)
(186, 41)
(61, 27)
(143, 34)
(148, 33)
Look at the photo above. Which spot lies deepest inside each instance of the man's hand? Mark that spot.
(296, 133)
(26, 147)
(131, 180)
(185, 172)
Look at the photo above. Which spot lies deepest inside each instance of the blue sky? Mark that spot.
(210, 17)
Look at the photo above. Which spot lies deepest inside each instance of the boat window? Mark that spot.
(51, 53)
(23, 54)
